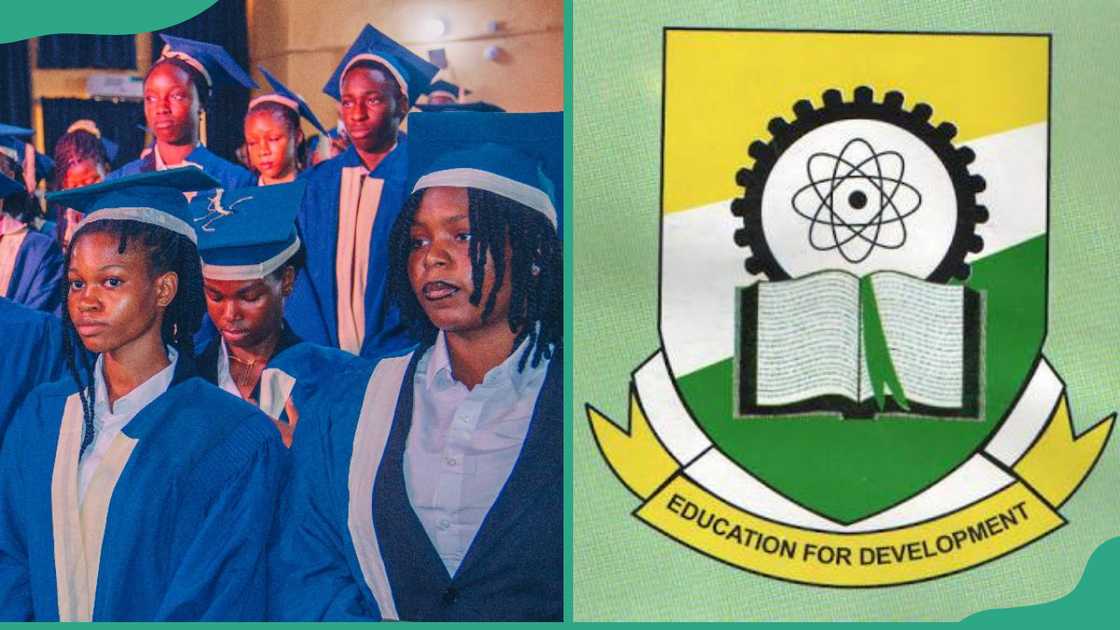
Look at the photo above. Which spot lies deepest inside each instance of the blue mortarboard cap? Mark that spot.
(518, 156)
(478, 106)
(215, 64)
(288, 98)
(17, 145)
(443, 87)
(411, 71)
(247, 233)
(154, 197)
(9, 186)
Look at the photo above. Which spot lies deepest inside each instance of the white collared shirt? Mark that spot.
(108, 423)
(225, 379)
(163, 166)
(463, 444)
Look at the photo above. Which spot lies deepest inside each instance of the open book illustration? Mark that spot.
(886, 343)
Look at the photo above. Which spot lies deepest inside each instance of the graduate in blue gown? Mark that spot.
(250, 258)
(444, 92)
(274, 139)
(132, 489)
(176, 90)
(437, 493)
(15, 143)
(30, 260)
(353, 199)
(444, 96)
(31, 353)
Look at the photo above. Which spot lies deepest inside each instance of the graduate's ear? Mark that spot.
(287, 281)
(402, 105)
(167, 286)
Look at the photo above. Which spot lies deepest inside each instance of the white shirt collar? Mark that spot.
(439, 375)
(225, 379)
(135, 400)
(162, 166)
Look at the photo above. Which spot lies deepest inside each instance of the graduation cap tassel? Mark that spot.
(202, 127)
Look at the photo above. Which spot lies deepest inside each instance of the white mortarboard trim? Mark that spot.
(379, 59)
(250, 272)
(523, 194)
(151, 216)
(187, 59)
(275, 98)
(86, 125)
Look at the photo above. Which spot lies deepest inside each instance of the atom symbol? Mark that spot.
(856, 201)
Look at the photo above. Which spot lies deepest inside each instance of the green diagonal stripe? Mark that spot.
(880, 368)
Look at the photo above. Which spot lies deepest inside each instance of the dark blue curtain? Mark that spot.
(117, 121)
(88, 51)
(225, 24)
(15, 84)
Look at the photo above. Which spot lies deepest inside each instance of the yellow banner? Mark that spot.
(970, 535)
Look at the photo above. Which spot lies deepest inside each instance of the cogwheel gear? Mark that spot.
(957, 196)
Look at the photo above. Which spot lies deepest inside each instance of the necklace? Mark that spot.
(244, 377)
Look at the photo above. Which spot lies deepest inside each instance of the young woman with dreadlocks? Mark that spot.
(30, 261)
(132, 489)
(436, 492)
(176, 90)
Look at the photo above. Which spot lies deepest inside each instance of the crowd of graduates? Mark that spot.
(322, 385)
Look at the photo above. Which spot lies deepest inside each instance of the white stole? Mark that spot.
(276, 384)
(79, 529)
(359, 199)
(375, 421)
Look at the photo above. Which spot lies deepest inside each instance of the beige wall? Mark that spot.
(301, 41)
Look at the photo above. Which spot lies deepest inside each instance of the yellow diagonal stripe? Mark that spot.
(722, 88)
(1058, 461)
(637, 457)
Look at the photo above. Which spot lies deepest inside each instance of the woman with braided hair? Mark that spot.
(132, 489)
(81, 158)
(436, 495)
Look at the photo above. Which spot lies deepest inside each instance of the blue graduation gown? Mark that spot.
(512, 571)
(37, 273)
(307, 369)
(30, 354)
(313, 306)
(187, 521)
(229, 174)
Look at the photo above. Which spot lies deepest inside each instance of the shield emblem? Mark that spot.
(853, 253)
(850, 389)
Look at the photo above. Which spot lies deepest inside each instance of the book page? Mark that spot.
(924, 326)
(808, 338)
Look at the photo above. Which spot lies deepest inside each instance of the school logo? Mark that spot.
(851, 389)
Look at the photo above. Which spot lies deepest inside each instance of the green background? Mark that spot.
(623, 569)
